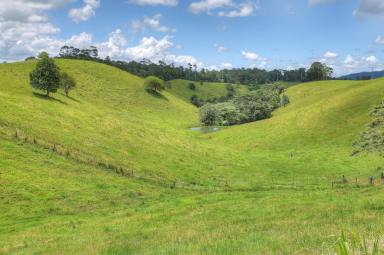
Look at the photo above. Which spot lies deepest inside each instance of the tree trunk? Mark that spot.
(47, 94)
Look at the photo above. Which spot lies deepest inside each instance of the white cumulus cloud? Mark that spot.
(86, 12)
(330, 55)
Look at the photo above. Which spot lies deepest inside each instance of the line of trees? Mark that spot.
(47, 76)
(166, 72)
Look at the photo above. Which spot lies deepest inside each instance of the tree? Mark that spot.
(46, 75)
(319, 71)
(67, 83)
(192, 86)
(284, 100)
(154, 84)
(209, 115)
(30, 58)
(230, 90)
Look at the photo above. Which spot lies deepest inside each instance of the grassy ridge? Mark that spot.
(258, 188)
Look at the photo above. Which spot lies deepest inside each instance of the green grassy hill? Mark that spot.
(205, 90)
(115, 170)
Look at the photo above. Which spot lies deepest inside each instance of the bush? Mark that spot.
(154, 84)
(192, 86)
(195, 100)
(230, 91)
(209, 115)
(284, 100)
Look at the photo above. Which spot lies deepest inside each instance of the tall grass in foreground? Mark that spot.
(345, 247)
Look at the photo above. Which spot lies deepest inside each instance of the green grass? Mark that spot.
(206, 90)
(258, 188)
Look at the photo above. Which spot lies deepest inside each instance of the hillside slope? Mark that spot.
(205, 90)
(269, 187)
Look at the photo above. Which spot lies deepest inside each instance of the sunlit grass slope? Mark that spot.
(205, 90)
(109, 118)
(258, 188)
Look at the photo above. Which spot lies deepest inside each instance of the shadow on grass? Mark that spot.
(41, 96)
(71, 98)
(157, 94)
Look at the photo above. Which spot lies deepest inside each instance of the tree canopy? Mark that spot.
(67, 83)
(154, 84)
(46, 75)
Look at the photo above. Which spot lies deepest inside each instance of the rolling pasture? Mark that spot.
(113, 169)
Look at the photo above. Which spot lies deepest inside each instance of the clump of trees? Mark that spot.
(47, 77)
(319, 71)
(253, 106)
(154, 84)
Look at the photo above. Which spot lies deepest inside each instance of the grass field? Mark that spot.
(205, 90)
(115, 170)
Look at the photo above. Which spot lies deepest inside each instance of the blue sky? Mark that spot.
(284, 34)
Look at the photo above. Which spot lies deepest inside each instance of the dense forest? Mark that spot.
(246, 76)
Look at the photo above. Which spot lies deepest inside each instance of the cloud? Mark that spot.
(243, 10)
(229, 8)
(379, 40)
(155, 2)
(86, 12)
(208, 5)
(250, 55)
(148, 48)
(226, 66)
(370, 8)
(82, 40)
(330, 55)
(153, 23)
(353, 64)
(220, 48)
(25, 28)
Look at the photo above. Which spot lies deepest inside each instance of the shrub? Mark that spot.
(195, 100)
(209, 115)
(284, 100)
(192, 86)
(154, 84)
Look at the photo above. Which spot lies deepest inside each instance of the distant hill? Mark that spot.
(357, 76)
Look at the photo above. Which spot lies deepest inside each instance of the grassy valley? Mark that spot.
(113, 169)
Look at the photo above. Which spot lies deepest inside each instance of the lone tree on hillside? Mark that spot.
(154, 84)
(46, 75)
(319, 71)
(67, 83)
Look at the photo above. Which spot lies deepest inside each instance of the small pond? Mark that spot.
(205, 129)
